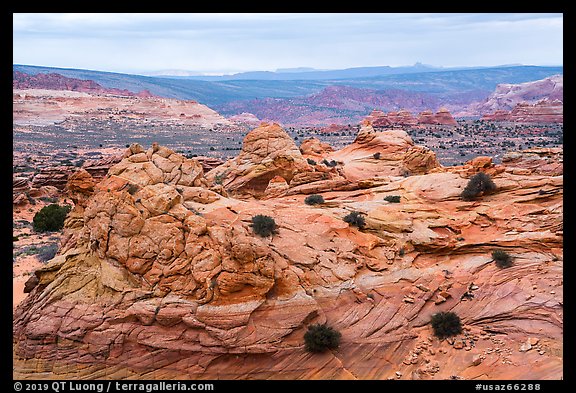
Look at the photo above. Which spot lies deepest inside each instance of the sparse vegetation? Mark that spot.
(132, 188)
(311, 161)
(446, 324)
(376, 156)
(219, 178)
(50, 218)
(392, 198)
(330, 163)
(48, 252)
(320, 338)
(479, 184)
(502, 258)
(263, 225)
(355, 219)
(49, 199)
(314, 199)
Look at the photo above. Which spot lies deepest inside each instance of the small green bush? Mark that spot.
(355, 219)
(50, 218)
(218, 178)
(392, 198)
(320, 338)
(311, 161)
(480, 183)
(263, 225)
(446, 324)
(132, 188)
(330, 164)
(314, 199)
(502, 259)
(376, 156)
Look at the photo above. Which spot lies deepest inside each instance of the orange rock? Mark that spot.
(152, 269)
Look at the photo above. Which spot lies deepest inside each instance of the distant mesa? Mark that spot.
(54, 81)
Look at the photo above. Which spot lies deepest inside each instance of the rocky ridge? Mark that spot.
(507, 96)
(404, 118)
(544, 111)
(54, 81)
(160, 275)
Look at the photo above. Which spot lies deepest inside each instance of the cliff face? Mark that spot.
(404, 118)
(161, 276)
(544, 111)
(507, 96)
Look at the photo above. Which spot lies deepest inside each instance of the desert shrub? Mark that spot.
(376, 156)
(132, 188)
(355, 219)
(50, 218)
(219, 178)
(330, 164)
(320, 338)
(478, 184)
(392, 198)
(263, 225)
(311, 161)
(48, 199)
(446, 324)
(48, 252)
(502, 258)
(314, 199)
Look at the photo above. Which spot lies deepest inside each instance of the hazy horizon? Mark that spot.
(226, 43)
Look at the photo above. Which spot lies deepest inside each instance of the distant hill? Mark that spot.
(265, 95)
(507, 95)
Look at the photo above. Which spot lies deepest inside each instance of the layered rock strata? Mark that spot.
(160, 277)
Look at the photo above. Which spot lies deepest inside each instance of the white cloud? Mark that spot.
(122, 42)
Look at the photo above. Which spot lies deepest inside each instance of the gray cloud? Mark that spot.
(239, 42)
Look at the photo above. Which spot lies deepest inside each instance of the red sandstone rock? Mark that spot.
(267, 151)
(54, 81)
(397, 155)
(315, 148)
(507, 96)
(150, 288)
(541, 112)
(442, 117)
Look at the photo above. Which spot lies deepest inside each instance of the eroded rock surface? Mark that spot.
(162, 277)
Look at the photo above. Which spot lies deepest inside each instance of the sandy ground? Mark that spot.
(21, 271)
(23, 264)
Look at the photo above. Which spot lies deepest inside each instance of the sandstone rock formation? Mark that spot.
(543, 111)
(314, 148)
(507, 96)
(404, 118)
(54, 81)
(442, 117)
(245, 118)
(46, 107)
(154, 283)
(267, 152)
(386, 153)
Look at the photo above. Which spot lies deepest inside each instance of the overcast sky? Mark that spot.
(227, 43)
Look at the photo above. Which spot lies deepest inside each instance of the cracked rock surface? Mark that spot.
(160, 276)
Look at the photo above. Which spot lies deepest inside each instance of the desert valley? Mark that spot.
(206, 235)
